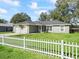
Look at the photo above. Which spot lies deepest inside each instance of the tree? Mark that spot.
(3, 21)
(44, 17)
(20, 17)
(65, 10)
(75, 10)
(76, 13)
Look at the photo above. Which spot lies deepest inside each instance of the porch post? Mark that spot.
(41, 29)
(46, 29)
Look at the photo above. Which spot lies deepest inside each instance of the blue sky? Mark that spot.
(33, 8)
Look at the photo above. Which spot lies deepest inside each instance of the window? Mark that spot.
(62, 28)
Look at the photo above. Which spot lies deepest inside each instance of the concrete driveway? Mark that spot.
(8, 34)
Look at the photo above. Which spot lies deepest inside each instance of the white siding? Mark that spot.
(67, 29)
(32, 29)
(18, 29)
(59, 29)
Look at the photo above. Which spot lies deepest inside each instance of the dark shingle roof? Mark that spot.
(54, 22)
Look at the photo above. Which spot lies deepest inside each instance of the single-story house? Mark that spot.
(41, 26)
(6, 27)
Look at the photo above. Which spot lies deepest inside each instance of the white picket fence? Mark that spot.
(64, 50)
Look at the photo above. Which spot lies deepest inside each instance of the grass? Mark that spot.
(14, 53)
(73, 37)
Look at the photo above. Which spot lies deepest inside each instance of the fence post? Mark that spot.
(76, 51)
(72, 51)
(2, 40)
(62, 49)
(24, 43)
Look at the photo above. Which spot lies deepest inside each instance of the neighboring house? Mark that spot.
(41, 26)
(75, 21)
(74, 24)
(6, 27)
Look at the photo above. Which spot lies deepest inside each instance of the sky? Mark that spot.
(33, 8)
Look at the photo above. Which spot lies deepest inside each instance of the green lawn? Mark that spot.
(15, 53)
(74, 37)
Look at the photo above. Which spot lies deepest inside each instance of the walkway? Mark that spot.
(8, 34)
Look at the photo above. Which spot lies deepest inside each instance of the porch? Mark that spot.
(39, 29)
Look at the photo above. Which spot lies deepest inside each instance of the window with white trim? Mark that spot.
(62, 28)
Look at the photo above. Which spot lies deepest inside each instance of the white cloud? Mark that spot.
(11, 2)
(3, 11)
(40, 11)
(33, 5)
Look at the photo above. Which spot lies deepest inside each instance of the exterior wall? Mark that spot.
(34, 29)
(60, 29)
(25, 29)
(19, 30)
(67, 29)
